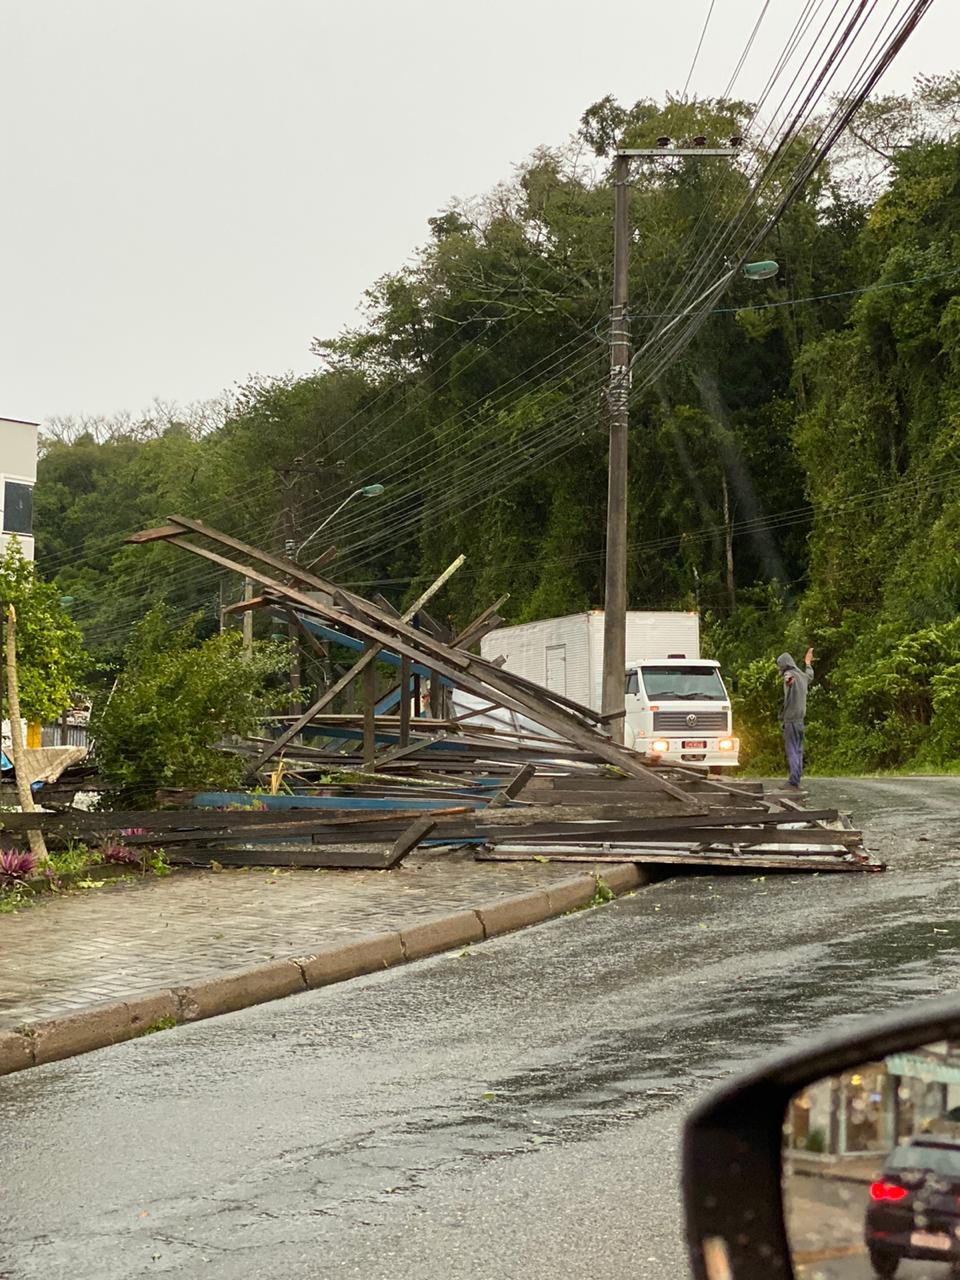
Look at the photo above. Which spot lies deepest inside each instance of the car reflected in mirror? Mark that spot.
(872, 1168)
(835, 1160)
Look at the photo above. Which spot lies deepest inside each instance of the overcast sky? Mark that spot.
(193, 189)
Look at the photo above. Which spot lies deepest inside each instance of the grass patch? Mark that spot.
(161, 1024)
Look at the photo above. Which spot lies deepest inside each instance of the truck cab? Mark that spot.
(678, 712)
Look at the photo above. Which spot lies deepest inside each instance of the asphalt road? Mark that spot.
(512, 1112)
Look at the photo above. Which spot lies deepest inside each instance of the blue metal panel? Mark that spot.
(384, 737)
(221, 799)
(338, 637)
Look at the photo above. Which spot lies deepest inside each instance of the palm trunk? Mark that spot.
(38, 846)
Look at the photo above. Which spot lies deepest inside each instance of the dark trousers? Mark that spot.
(793, 745)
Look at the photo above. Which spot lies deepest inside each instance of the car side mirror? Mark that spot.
(834, 1161)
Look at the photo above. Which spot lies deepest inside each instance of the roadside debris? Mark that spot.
(362, 790)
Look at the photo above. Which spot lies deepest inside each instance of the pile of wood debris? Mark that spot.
(544, 781)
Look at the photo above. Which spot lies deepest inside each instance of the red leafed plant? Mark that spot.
(16, 864)
(117, 851)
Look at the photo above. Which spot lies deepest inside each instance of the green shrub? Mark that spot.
(175, 701)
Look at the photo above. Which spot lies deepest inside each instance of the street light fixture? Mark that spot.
(761, 270)
(365, 491)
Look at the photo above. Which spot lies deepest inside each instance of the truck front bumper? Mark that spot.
(713, 756)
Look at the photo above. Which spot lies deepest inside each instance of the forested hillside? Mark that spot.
(793, 474)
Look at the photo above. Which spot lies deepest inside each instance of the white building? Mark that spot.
(18, 475)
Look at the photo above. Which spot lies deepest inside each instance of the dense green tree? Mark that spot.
(51, 662)
(175, 700)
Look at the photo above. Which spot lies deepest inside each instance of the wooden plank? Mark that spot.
(513, 787)
(374, 858)
(435, 628)
(324, 558)
(436, 696)
(242, 606)
(410, 838)
(158, 533)
(404, 702)
(652, 802)
(287, 568)
(701, 836)
(317, 648)
(400, 752)
(746, 861)
(252, 821)
(478, 628)
(638, 827)
(369, 712)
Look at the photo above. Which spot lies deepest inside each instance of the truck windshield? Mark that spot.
(667, 684)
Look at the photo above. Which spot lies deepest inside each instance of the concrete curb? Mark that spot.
(53, 1039)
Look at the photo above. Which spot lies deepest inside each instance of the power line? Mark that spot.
(817, 297)
(703, 33)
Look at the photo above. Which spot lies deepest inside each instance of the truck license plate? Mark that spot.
(699, 745)
(930, 1240)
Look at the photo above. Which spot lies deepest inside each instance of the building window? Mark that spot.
(17, 507)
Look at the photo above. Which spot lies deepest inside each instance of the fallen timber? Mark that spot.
(544, 780)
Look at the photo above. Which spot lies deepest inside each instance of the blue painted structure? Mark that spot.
(389, 700)
(243, 799)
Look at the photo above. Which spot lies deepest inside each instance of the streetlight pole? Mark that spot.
(367, 491)
(618, 404)
(291, 550)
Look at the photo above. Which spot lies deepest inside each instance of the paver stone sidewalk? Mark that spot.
(89, 946)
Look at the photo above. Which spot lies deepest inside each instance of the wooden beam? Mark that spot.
(513, 787)
(324, 558)
(644, 857)
(410, 838)
(369, 712)
(404, 701)
(436, 629)
(307, 634)
(241, 606)
(473, 631)
(157, 534)
(372, 857)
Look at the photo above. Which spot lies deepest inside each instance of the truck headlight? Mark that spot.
(726, 744)
(659, 745)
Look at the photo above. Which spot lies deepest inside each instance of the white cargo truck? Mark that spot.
(677, 709)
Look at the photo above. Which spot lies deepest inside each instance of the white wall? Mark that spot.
(18, 463)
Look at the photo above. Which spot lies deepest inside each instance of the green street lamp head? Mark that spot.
(372, 490)
(761, 270)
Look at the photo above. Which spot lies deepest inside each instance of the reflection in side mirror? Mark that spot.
(871, 1166)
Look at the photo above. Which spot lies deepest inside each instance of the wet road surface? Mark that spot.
(509, 1112)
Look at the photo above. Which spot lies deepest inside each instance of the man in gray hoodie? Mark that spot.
(795, 686)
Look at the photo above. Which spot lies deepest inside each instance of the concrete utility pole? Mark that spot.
(248, 621)
(618, 401)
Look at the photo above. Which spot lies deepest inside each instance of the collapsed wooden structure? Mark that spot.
(524, 772)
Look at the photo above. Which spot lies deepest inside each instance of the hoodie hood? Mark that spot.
(785, 662)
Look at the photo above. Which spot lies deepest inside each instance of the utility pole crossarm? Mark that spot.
(660, 152)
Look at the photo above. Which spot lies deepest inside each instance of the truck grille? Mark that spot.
(680, 722)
